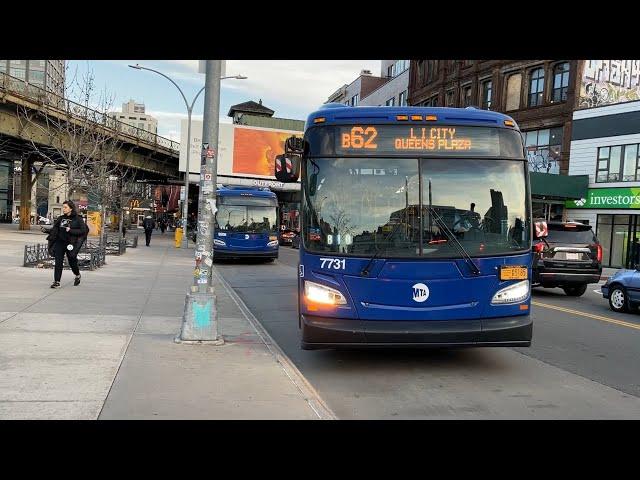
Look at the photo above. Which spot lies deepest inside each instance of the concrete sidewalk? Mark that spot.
(105, 349)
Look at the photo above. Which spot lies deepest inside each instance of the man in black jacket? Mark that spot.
(148, 225)
(67, 235)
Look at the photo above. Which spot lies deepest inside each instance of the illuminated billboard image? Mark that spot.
(255, 150)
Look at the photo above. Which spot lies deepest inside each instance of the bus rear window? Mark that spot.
(570, 235)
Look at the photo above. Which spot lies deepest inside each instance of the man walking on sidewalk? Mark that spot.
(148, 224)
(67, 236)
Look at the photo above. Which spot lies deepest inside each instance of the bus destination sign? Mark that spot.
(440, 140)
(413, 138)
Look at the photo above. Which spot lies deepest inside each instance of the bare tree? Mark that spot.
(74, 136)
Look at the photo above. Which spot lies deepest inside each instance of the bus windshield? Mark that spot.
(246, 219)
(367, 206)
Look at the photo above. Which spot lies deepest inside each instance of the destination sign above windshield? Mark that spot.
(424, 141)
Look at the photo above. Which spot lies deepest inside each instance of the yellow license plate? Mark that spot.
(513, 273)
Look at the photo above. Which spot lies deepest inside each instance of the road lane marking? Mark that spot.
(589, 315)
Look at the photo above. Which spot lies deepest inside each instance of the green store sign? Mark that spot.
(608, 198)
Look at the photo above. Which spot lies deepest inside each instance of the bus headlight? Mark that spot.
(320, 294)
(219, 242)
(272, 244)
(515, 293)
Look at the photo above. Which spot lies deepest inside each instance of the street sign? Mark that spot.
(207, 177)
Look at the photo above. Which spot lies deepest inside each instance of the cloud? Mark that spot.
(299, 84)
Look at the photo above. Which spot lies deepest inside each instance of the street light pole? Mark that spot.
(200, 320)
(185, 206)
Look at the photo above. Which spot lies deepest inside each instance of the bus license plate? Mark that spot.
(514, 273)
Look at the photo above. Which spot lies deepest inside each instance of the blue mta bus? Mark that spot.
(246, 223)
(416, 228)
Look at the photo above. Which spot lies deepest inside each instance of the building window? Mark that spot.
(467, 63)
(58, 198)
(514, 84)
(355, 99)
(420, 72)
(432, 67)
(452, 67)
(36, 77)
(3, 65)
(487, 88)
(391, 102)
(18, 73)
(402, 99)
(450, 98)
(390, 71)
(543, 149)
(536, 87)
(466, 96)
(618, 164)
(560, 82)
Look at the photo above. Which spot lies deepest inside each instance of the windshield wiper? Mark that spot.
(451, 236)
(365, 270)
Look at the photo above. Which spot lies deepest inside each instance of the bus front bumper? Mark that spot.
(326, 332)
(245, 253)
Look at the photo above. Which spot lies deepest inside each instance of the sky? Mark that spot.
(292, 88)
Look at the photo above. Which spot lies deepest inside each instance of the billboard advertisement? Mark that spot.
(255, 150)
(605, 82)
(242, 151)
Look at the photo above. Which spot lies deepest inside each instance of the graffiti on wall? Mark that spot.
(605, 82)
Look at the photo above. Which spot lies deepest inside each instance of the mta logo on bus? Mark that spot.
(420, 292)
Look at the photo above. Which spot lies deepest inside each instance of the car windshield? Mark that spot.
(363, 206)
(246, 219)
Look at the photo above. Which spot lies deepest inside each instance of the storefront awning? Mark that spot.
(559, 187)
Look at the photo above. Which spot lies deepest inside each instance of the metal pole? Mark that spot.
(185, 207)
(200, 322)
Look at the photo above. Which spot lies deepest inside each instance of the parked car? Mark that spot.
(286, 237)
(567, 255)
(622, 290)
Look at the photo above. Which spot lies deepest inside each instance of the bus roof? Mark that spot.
(264, 192)
(337, 114)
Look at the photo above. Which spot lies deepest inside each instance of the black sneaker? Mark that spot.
(76, 282)
(55, 285)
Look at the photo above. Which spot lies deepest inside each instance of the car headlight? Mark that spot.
(219, 242)
(272, 244)
(321, 294)
(515, 293)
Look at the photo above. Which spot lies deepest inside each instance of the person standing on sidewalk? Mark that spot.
(148, 224)
(67, 236)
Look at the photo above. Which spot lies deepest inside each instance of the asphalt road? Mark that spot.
(583, 362)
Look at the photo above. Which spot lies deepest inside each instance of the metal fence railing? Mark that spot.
(22, 88)
(131, 240)
(89, 258)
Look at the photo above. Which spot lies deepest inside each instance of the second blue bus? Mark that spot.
(246, 223)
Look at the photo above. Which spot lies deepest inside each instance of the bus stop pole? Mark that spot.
(200, 320)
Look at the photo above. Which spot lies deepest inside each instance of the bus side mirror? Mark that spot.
(294, 145)
(287, 168)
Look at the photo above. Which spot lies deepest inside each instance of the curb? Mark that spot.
(307, 390)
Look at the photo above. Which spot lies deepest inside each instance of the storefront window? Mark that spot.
(616, 233)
